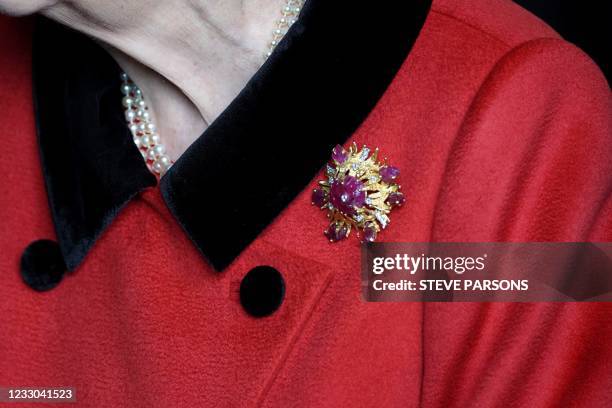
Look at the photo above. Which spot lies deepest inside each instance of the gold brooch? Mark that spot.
(359, 193)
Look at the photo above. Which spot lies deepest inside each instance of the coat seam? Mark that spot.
(291, 344)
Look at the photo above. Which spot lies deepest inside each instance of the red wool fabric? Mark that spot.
(502, 132)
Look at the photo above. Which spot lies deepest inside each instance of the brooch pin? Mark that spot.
(359, 193)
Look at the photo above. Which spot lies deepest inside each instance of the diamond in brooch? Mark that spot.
(359, 193)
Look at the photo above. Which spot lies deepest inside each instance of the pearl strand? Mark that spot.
(144, 132)
(138, 117)
(289, 15)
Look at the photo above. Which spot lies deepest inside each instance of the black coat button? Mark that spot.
(262, 291)
(42, 265)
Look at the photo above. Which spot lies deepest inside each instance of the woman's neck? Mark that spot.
(190, 58)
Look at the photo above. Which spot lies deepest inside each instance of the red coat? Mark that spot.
(501, 130)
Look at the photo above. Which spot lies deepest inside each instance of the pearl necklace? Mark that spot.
(138, 117)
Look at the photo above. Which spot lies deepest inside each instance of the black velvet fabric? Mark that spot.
(262, 291)
(42, 265)
(313, 92)
(92, 167)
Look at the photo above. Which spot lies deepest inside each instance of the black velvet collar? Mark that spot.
(312, 93)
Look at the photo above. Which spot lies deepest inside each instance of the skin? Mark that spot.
(189, 57)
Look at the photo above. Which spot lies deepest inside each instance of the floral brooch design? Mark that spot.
(359, 193)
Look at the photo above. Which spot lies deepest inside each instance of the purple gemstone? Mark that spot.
(359, 199)
(319, 198)
(396, 199)
(342, 232)
(336, 233)
(369, 233)
(389, 173)
(347, 195)
(339, 155)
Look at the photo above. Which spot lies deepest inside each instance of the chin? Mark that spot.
(17, 8)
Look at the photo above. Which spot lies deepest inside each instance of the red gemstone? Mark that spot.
(339, 155)
(336, 233)
(319, 198)
(347, 195)
(369, 233)
(396, 199)
(389, 173)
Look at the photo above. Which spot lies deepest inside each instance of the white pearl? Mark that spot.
(141, 104)
(130, 115)
(146, 115)
(126, 89)
(151, 127)
(153, 141)
(128, 101)
(159, 150)
(155, 138)
(124, 77)
(160, 167)
(137, 141)
(133, 128)
(142, 127)
(139, 113)
(145, 140)
(151, 154)
(157, 167)
(165, 160)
